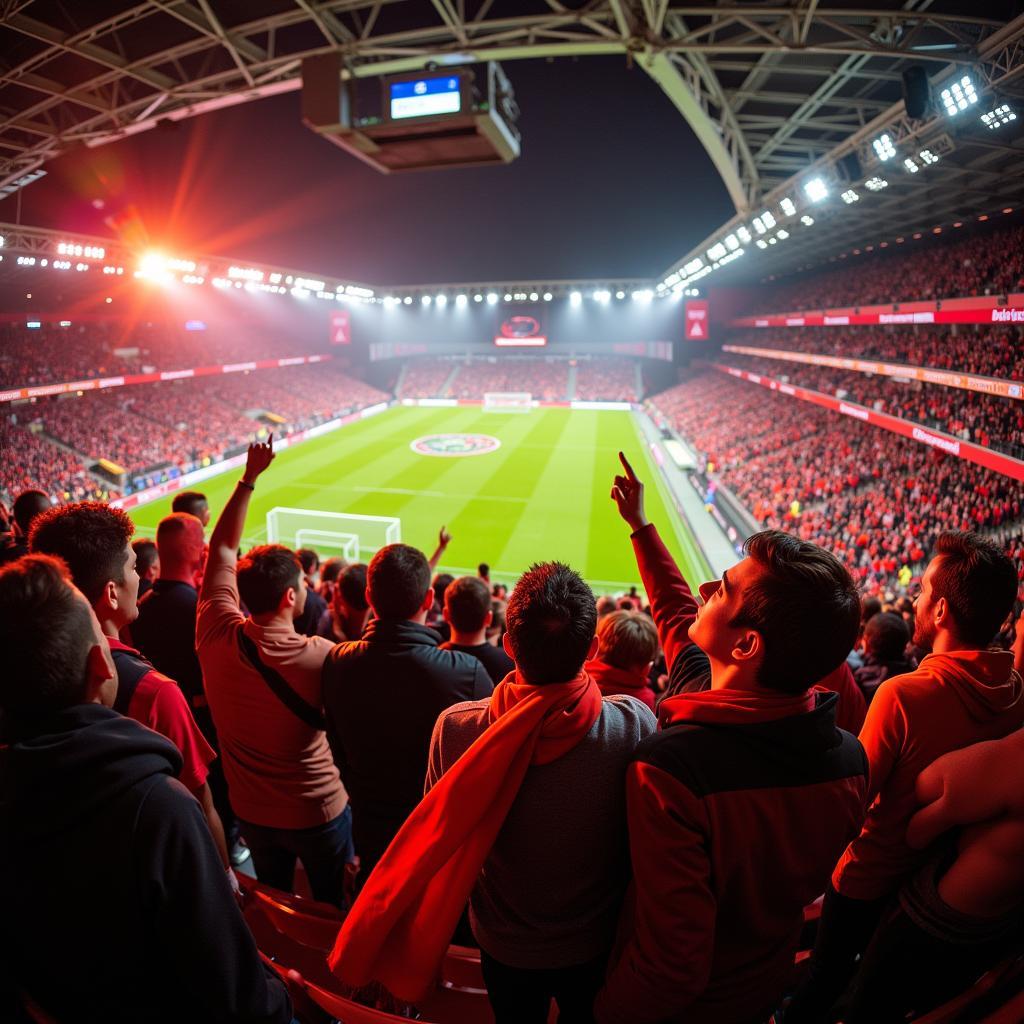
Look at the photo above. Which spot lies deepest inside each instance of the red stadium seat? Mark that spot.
(461, 971)
(308, 922)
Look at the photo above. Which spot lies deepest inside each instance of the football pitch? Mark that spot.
(542, 495)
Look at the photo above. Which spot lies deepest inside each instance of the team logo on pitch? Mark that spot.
(453, 446)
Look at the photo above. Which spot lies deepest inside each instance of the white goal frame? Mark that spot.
(355, 534)
(508, 401)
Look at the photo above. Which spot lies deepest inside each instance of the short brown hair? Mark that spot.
(467, 601)
(626, 639)
(264, 576)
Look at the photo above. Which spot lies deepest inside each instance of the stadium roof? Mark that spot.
(777, 94)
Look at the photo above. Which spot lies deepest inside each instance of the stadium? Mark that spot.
(321, 298)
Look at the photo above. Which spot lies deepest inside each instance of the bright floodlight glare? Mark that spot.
(643, 295)
(787, 206)
(620, 294)
(508, 296)
(492, 298)
(884, 148)
(743, 233)
(768, 219)
(759, 226)
(717, 251)
(1003, 114)
(782, 234)
(876, 184)
(731, 242)
(575, 298)
(928, 157)
(461, 300)
(603, 295)
(850, 196)
(959, 96)
(442, 300)
(762, 244)
(478, 297)
(911, 165)
(408, 300)
(807, 219)
(548, 296)
(816, 190)
(426, 300)
(534, 296)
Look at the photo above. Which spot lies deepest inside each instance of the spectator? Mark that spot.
(28, 506)
(194, 503)
(605, 606)
(885, 652)
(382, 755)
(115, 861)
(960, 693)
(627, 646)
(524, 814)
(483, 570)
(436, 620)
(719, 799)
(263, 685)
(329, 573)
(308, 622)
(147, 564)
(496, 630)
(869, 608)
(349, 610)
(467, 610)
(94, 540)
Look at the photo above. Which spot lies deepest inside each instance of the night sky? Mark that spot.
(611, 182)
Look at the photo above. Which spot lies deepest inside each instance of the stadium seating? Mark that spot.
(607, 380)
(545, 380)
(426, 378)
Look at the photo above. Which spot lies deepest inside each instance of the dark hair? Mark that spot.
(484, 570)
(189, 501)
(309, 559)
(91, 538)
(605, 605)
(442, 581)
(46, 632)
(886, 636)
(468, 602)
(27, 506)
(805, 606)
(869, 608)
(979, 583)
(264, 576)
(551, 618)
(331, 570)
(398, 579)
(146, 554)
(352, 586)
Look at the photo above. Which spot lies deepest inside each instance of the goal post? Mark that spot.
(508, 401)
(351, 536)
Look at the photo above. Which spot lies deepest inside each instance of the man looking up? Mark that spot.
(524, 814)
(94, 540)
(263, 686)
(961, 693)
(467, 609)
(383, 693)
(720, 799)
(102, 851)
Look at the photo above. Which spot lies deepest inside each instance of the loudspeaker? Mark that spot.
(917, 91)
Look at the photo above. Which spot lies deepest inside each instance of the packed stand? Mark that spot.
(607, 380)
(982, 350)
(988, 262)
(534, 826)
(425, 378)
(546, 380)
(875, 499)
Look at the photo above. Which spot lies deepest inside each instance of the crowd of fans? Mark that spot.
(608, 799)
(607, 380)
(875, 499)
(990, 261)
(426, 378)
(982, 350)
(544, 379)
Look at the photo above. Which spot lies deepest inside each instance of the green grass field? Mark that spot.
(544, 494)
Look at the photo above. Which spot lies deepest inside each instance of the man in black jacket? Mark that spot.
(116, 904)
(382, 695)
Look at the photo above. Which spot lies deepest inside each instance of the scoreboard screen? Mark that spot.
(425, 97)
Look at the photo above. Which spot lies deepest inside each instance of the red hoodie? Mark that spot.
(614, 680)
(950, 701)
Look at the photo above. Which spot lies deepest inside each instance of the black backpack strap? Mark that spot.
(298, 706)
(131, 670)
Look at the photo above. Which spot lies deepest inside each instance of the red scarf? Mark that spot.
(736, 706)
(401, 923)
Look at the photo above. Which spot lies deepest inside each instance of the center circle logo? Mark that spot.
(454, 446)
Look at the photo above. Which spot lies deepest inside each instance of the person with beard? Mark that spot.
(961, 693)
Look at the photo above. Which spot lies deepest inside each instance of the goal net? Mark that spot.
(508, 401)
(351, 536)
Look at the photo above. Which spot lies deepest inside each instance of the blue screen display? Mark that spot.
(425, 96)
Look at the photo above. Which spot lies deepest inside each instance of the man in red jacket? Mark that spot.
(740, 805)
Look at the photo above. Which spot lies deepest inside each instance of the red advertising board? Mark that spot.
(341, 329)
(995, 461)
(697, 323)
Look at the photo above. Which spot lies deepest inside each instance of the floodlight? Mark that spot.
(782, 234)
(759, 226)
(911, 165)
(787, 206)
(767, 219)
(1003, 114)
(883, 147)
(928, 157)
(807, 219)
(693, 266)
(876, 184)
(508, 296)
(717, 251)
(643, 295)
(620, 294)
(773, 240)
(426, 300)
(850, 196)
(762, 244)
(548, 296)
(575, 298)
(460, 301)
(478, 297)
(492, 298)
(408, 300)
(602, 295)
(731, 242)
(743, 233)
(442, 300)
(816, 189)
(959, 95)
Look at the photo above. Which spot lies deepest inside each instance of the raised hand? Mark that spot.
(260, 456)
(628, 495)
(444, 538)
